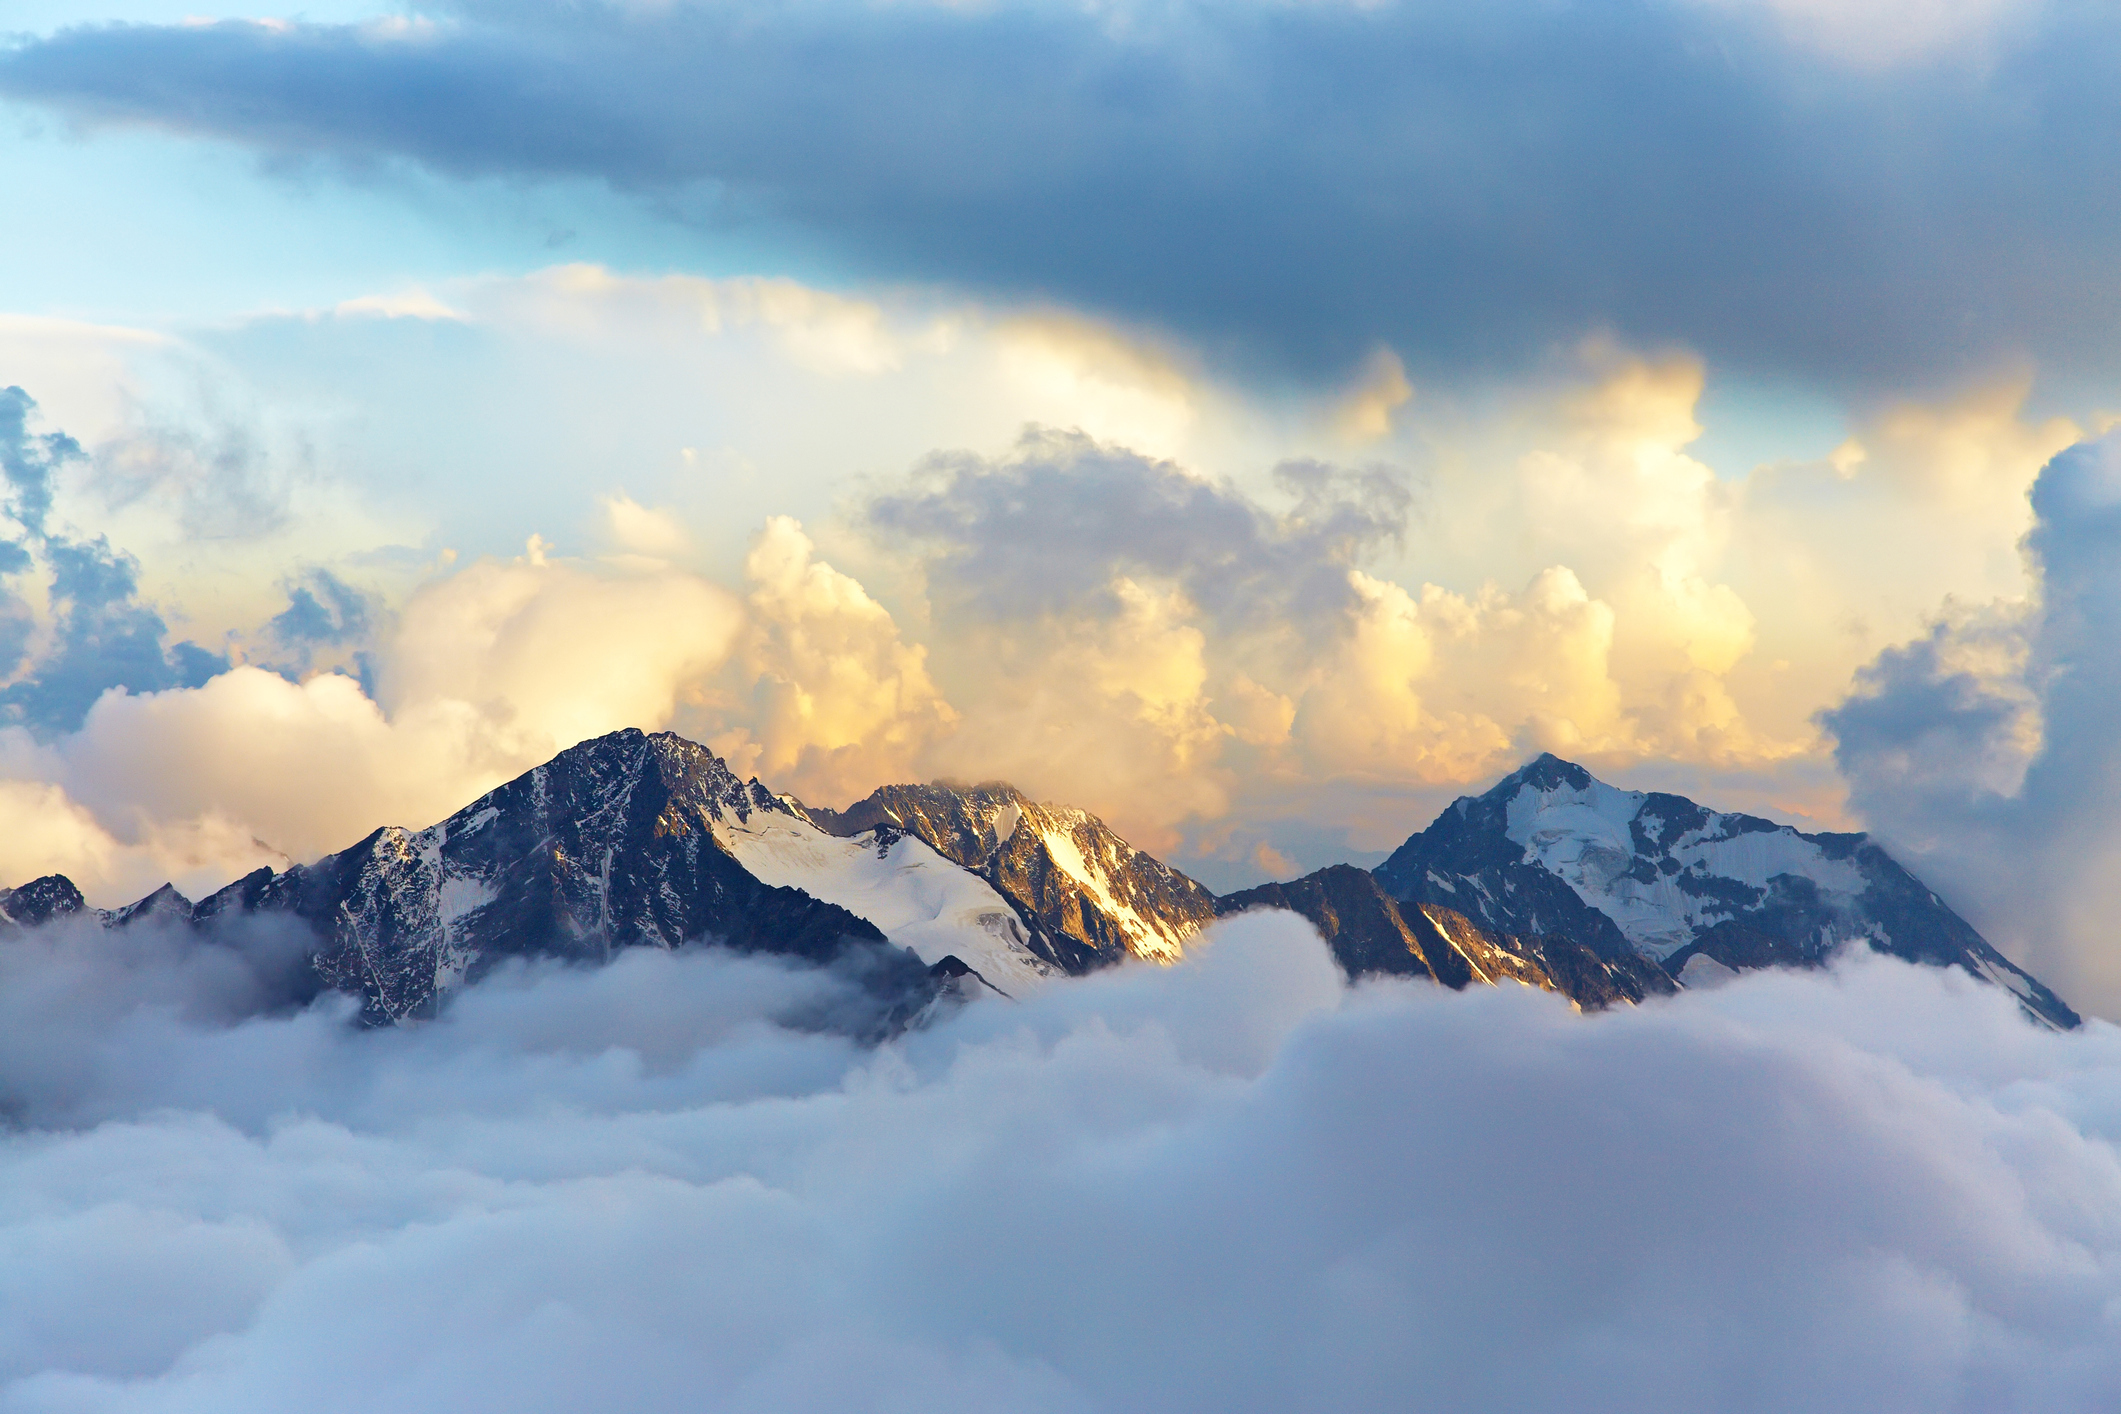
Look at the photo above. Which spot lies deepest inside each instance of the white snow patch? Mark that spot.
(918, 899)
(480, 820)
(2003, 977)
(1145, 938)
(1703, 972)
(461, 894)
(1006, 820)
(1583, 837)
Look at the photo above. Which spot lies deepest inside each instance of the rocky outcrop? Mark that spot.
(1085, 896)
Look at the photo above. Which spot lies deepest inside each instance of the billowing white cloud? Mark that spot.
(834, 701)
(1986, 748)
(484, 672)
(1231, 1184)
(1172, 600)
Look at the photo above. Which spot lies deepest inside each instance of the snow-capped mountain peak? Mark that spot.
(1663, 868)
(1553, 850)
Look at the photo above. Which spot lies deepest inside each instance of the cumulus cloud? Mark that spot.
(838, 702)
(97, 632)
(484, 672)
(1046, 527)
(1231, 1184)
(1670, 171)
(1097, 603)
(1986, 747)
(1242, 650)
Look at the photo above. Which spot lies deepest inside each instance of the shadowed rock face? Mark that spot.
(1465, 861)
(40, 901)
(1086, 897)
(609, 845)
(1371, 932)
(1552, 852)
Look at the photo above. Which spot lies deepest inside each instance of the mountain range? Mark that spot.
(930, 892)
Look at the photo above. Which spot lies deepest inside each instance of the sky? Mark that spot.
(1257, 423)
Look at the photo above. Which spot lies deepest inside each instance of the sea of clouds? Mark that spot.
(1233, 1184)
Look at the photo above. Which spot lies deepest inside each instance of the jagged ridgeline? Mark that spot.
(635, 839)
(1551, 879)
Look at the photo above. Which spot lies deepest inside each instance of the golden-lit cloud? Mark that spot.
(1167, 602)
(1380, 390)
(834, 702)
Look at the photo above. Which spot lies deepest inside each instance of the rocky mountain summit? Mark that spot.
(618, 842)
(938, 893)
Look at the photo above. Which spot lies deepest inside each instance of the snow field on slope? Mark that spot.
(918, 898)
(1146, 939)
(1583, 836)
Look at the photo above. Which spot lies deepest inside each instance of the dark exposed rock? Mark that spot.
(1551, 878)
(40, 901)
(164, 905)
(608, 845)
(1361, 923)
(1370, 932)
(1465, 861)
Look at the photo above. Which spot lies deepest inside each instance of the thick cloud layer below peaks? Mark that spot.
(1298, 179)
(1229, 1185)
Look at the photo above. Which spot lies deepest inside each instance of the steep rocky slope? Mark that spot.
(1371, 932)
(1085, 896)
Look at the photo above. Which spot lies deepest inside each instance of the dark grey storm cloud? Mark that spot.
(1936, 736)
(1287, 181)
(101, 634)
(1231, 1185)
(1047, 527)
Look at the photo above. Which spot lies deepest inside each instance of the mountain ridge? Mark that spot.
(1550, 878)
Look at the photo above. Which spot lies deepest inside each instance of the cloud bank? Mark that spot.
(1849, 193)
(1252, 636)
(1228, 1185)
(1987, 748)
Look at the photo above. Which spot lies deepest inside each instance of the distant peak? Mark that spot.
(1546, 771)
(42, 899)
(647, 748)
